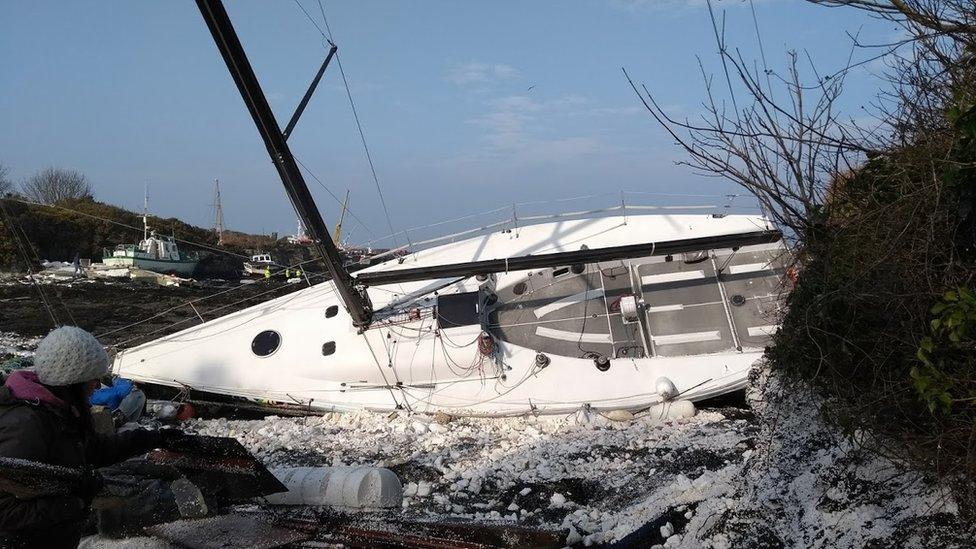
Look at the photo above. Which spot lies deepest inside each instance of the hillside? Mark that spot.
(86, 227)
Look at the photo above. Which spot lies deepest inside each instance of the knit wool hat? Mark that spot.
(69, 355)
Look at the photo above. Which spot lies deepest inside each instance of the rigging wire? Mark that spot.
(57, 290)
(8, 221)
(355, 113)
(120, 224)
(333, 195)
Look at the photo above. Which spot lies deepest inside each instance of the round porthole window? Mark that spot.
(266, 343)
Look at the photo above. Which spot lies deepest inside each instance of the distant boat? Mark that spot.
(155, 253)
(259, 264)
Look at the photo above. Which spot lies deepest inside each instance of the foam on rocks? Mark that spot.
(774, 476)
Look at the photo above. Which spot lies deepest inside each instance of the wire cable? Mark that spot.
(355, 114)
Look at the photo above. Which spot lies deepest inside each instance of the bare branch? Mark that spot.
(53, 185)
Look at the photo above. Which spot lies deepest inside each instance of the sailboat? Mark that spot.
(604, 312)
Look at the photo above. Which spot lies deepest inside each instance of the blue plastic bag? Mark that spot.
(112, 396)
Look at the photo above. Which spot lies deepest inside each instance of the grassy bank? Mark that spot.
(86, 227)
(883, 316)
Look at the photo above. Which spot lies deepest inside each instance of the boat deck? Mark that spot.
(688, 309)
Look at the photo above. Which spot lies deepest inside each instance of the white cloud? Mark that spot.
(610, 111)
(480, 73)
(515, 128)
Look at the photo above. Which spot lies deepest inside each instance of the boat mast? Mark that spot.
(355, 298)
(218, 214)
(342, 217)
(145, 212)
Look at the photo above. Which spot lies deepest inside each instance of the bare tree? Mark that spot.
(784, 143)
(5, 185)
(937, 69)
(52, 185)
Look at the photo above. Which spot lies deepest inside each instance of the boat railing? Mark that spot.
(521, 214)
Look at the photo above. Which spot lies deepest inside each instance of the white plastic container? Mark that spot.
(353, 487)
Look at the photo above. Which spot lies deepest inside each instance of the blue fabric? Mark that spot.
(112, 396)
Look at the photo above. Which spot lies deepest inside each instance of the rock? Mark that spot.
(619, 415)
(525, 491)
(671, 410)
(667, 530)
(557, 500)
(419, 427)
(443, 418)
(423, 489)
(513, 507)
(101, 420)
(573, 537)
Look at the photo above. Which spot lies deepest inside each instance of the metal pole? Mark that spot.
(308, 94)
(355, 299)
(555, 259)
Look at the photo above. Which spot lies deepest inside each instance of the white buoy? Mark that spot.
(665, 388)
(354, 487)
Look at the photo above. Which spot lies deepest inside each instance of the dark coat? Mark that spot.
(48, 433)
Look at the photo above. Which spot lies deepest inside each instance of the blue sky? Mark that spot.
(135, 92)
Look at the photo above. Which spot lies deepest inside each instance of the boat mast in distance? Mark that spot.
(355, 299)
(145, 211)
(218, 214)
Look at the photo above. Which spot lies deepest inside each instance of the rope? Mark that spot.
(27, 262)
(194, 302)
(382, 373)
(336, 198)
(616, 207)
(355, 114)
(189, 318)
(120, 224)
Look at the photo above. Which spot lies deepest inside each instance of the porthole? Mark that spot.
(266, 343)
(331, 311)
(519, 288)
(738, 300)
(328, 348)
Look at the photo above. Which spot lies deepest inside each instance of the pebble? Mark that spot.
(573, 537)
(619, 415)
(423, 489)
(557, 500)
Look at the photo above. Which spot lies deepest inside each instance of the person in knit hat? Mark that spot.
(45, 417)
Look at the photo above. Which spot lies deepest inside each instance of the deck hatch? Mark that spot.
(454, 310)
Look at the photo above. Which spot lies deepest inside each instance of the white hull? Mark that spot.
(255, 269)
(184, 268)
(420, 361)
